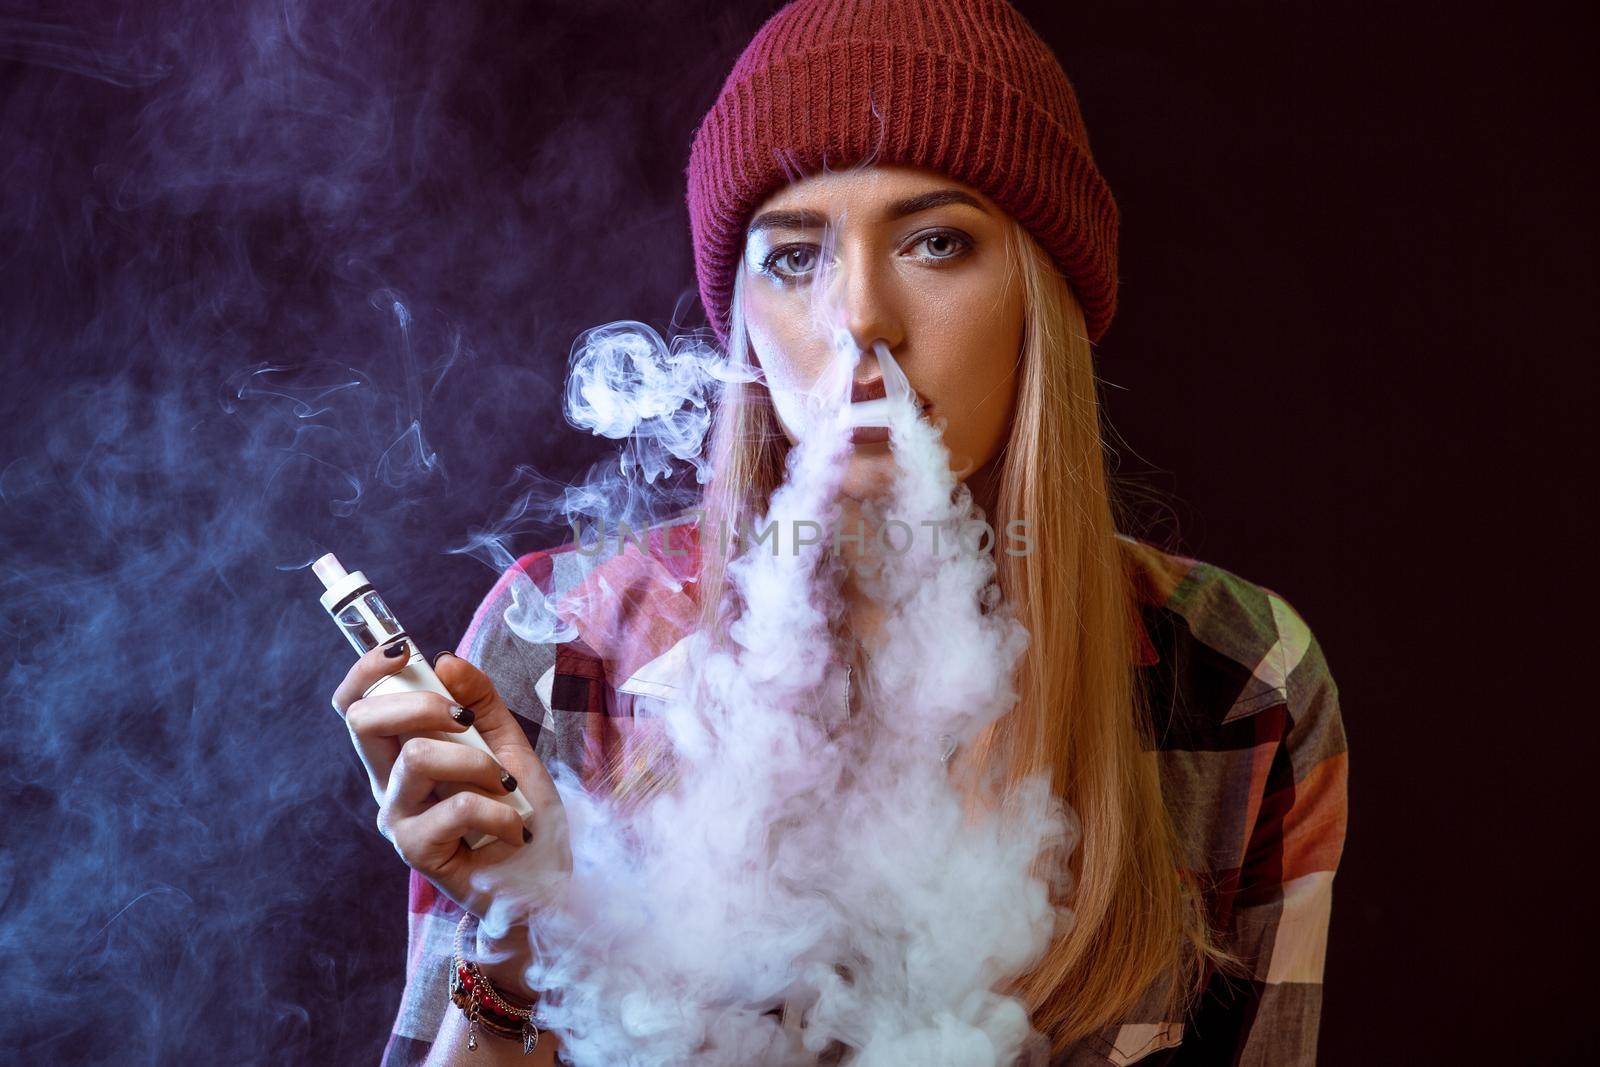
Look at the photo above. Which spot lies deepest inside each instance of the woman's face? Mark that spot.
(920, 263)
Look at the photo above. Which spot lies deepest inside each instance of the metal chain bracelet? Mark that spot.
(484, 1004)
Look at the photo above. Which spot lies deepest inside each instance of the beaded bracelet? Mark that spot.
(497, 1012)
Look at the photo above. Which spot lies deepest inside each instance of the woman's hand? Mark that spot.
(428, 832)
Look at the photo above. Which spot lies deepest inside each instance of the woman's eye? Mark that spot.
(944, 245)
(793, 262)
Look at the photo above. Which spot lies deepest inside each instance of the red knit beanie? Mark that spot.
(962, 87)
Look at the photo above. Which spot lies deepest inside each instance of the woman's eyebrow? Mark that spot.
(807, 219)
(923, 201)
(802, 219)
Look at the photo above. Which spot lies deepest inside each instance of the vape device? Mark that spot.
(367, 621)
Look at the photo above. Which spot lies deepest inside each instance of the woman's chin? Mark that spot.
(868, 472)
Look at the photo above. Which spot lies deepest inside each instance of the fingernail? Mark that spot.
(437, 656)
(395, 650)
(526, 836)
(507, 782)
(462, 715)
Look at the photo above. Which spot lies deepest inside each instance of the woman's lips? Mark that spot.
(869, 435)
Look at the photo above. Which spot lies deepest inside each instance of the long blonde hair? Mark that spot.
(1139, 923)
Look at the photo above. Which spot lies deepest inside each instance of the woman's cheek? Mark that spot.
(976, 424)
(790, 415)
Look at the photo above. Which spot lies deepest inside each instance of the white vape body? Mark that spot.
(367, 621)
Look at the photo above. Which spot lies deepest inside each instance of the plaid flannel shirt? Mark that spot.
(1250, 743)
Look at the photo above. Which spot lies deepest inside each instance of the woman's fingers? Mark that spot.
(377, 723)
(499, 728)
(365, 672)
(424, 762)
(430, 842)
(377, 751)
(429, 836)
(407, 713)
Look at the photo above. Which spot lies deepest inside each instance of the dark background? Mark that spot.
(277, 278)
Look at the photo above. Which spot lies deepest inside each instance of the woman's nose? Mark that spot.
(865, 306)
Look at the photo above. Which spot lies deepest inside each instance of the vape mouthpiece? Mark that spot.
(329, 570)
(896, 390)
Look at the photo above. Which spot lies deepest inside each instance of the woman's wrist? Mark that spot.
(486, 983)
(504, 961)
(508, 977)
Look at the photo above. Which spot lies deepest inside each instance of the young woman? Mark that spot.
(935, 151)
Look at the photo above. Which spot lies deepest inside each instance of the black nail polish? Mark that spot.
(439, 655)
(507, 782)
(526, 836)
(395, 650)
(462, 715)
